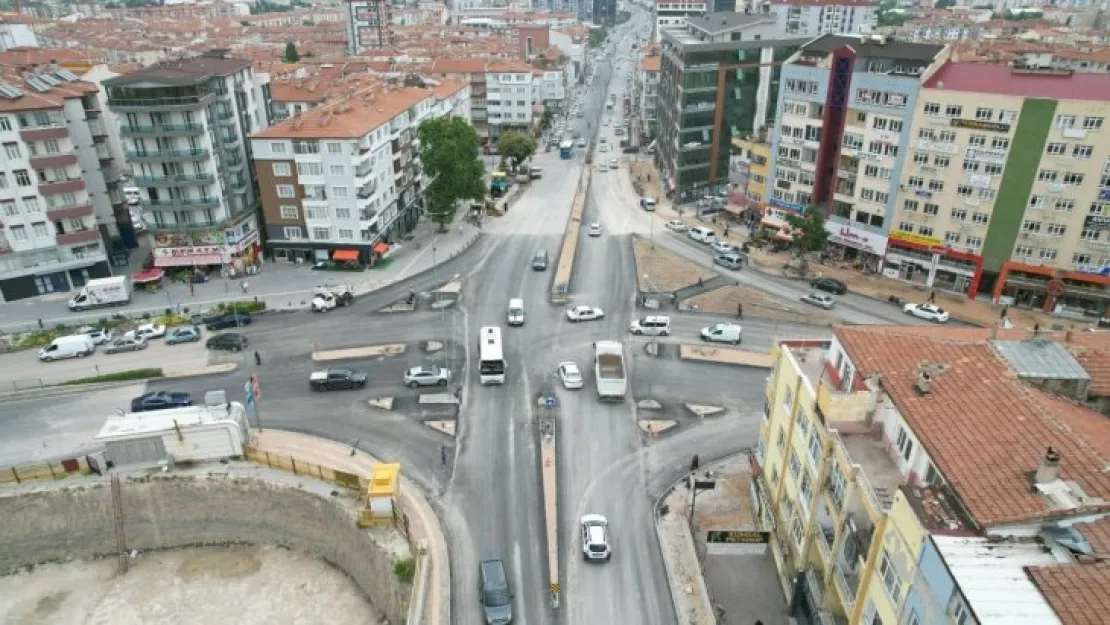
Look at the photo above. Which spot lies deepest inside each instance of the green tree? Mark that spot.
(449, 154)
(548, 115)
(291, 55)
(809, 233)
(516, 146)
(596, 37)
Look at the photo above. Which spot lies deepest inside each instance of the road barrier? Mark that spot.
(300, 467)
(49, 471)
(549, 468)
(560, 286)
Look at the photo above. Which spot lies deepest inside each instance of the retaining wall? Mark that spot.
(170, 512)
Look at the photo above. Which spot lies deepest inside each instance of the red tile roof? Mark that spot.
(1077, 592)
(1003, 80)
(983, 428)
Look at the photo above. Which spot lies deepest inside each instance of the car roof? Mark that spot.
(660, 318)
(594, 518)
(569, 366)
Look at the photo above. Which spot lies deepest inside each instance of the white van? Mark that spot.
(647, 204)
(74, 346)
(516, 312)
(702, 235)
(651, 326)
(722, 333)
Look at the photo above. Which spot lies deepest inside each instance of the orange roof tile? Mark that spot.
(1077, 592)
(983, 428)
(349, 118)
(651, 63)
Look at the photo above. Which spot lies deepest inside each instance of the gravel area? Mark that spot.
(665, 271)
(756, 303)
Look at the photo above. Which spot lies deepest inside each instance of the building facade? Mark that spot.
(647, 101)
(185, 126)
(1006, 189)
(343, 180)
(754, 157)
(813, 18)
(845, 112)
(673, 14)
(510, 93)
(368, 25)
(59, 196)
(719, 78)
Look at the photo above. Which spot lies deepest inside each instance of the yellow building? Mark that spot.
(757, 155)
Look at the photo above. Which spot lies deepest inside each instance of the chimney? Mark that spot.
(924, 382)
(1049, 469)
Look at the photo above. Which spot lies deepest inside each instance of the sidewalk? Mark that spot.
(283, 285)
(424, 524)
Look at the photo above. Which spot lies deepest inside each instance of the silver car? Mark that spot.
(427, 375)
(125, 344)
(820, 300)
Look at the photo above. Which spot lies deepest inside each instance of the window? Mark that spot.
(815, 448)
(960, 614)
(952, 237)
(915, 181)
(889, 575)
(293, 232)
(282, 170)
(1064, 206)
(39, 229)
(797, 532)
(342, 212)
(1036, 201)
(1081, 259)
(905, 226)
(987, 195)
(932, 109)
(910, 206)
(1007, 117)
(963, 190)
(946, 136)
(19, 233)
(953, 110)
(22, 178)
(974, 243)
(971, 166)
(925, 231)
(780, 442)
(1023, 251)
(1098, 208)
(286, 190)
(936, 186)
(920, 158)
(339, 192)
(931, 209)
(980, 219)
(941, 162)
(289, 212)
(321, 234)
(334, 147)
(1082, 151)
(5, 123)
(9, 207)
(1048, 255)
(31, 204)
(12, 150)
(1046, 175)
(1073, 179)
(1030, 226)
(1092, 123)
(795, 465)
(905, 444)
(346, 235)
(1065, 121)
(337, 170)
(51, 146)
(959, 214)
(310, 169)
(992, 169)
(984, 114)
(1057, 230)
(1000, 143)
(977, 141)
(277, 148)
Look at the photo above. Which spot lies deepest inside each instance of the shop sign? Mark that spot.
(917, 239)
(997, 157)
(975, 124)
(797, 208)
(182, 252)
(1098, 222)
(1098, 270)
(243, 242)
(188, 239)
(851, 236)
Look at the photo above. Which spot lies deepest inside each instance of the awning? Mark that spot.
(150, 275)
(381, 248)
(345, 255)
(200, 260)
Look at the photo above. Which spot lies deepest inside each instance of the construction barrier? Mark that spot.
(49, 471)
(298, 467)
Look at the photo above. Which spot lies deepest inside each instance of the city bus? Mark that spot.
(565, 148)
(491, 360)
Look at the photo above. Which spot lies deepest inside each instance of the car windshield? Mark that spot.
(497, 597)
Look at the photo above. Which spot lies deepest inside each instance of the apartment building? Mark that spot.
(719, 78)
(646, 88)
(184, 125)
(343, 180)
(674, 13)
(1006, 188)
(60, 201)
(813, 18)
(604, 12)
(368, 25)
(753, 157)
(846, 107)
(891, 497)
(511, 88)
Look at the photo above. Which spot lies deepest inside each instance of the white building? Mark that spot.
(673, 13)
(342, 180)
(511, 89)
(368, 23)
(184, 125)
(551, 89)
(813, 18)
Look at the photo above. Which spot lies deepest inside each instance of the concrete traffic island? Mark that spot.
(370, 351)
(654, 427)
(444, 426)
(702, 411)
(726, 356)
(381, 403)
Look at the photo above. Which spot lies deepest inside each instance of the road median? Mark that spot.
(726, 356)
(349, 353)
(560, 285)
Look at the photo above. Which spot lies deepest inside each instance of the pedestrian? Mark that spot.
(257, 358)
(192, 288)
(443, 455)
(695, 462)
(933, 296)
(739, 311)
(243, 285)
(699, 282)
(1005, 311)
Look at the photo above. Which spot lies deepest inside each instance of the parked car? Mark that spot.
(125, 344)
(675, 225)
(836, 287)
(729, 261)
(820, 300)
(648, 204)
(571, 375)
(228, 342)
(331, 379)
(160, 400)
(658, 325)
(702, 235)
(931, 312)
(595, 538)
(722, 333)
(614, 164)
(148, 331)
(98, 336)
(584, 313)
(594, 230)
(228, 320)
(183, 334)
(427, 375)
(724, 247)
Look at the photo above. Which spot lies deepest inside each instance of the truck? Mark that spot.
(326, 298)
(114, 291)
(612, 382)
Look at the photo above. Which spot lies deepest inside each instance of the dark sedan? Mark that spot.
(160, 400)
(836, 287)
(229, 342)
(228, 320)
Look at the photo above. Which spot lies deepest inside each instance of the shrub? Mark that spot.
(36, 339)
(404, 569)
(119, 376)
(247, 305)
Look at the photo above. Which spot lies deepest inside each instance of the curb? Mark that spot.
(371, 289)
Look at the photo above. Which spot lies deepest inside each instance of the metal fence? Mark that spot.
(300, 467)
(49, 471)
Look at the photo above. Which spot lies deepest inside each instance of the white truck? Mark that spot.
(612, 383)
(114, 291)
(326, 298)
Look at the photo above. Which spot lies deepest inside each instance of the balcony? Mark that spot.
(162, 130)
(319, 196)
(53, 161)
(69, 212)
(96, 129)
(102, 152)
(367, 215)
(80, 236)
(120, 102)
(153, 156)
(185, 226)
(61, 186)
(226, 117)
(172, 181)
(43, 133)
(366, 191)
(229, 141)
(235, 163)
(191, 203)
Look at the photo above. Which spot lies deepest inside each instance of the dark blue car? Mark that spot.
(160, 400)
(228, 320)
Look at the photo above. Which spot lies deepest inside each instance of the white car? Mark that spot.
(820, 300)
(148, 331)
(723, 247)
(932, 312)
(570, 375)
(613, 164)
(594, 230)
(98, 336)
(604, 147)
(595, 538)
(584, 313)
(675, 225)
(427, 375)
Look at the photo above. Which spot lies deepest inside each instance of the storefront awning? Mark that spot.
(149, 275)
(345, 255)
(381, 248)
(200, 260)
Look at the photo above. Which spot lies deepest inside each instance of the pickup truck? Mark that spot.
(612, 382)
(327, 298)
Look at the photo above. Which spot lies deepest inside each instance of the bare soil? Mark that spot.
(662, 271)
(725, 300)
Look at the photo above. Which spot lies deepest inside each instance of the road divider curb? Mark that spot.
(564, 270)
(190, 372)
(370, 351)
(702, 410)
(444, 426)
(384, 403)
(726, 356)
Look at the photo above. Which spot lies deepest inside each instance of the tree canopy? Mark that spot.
(449, 152)
(516, 146)
(808, 231)
(291, 55)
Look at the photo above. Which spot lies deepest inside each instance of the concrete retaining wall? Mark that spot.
(163, 513)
